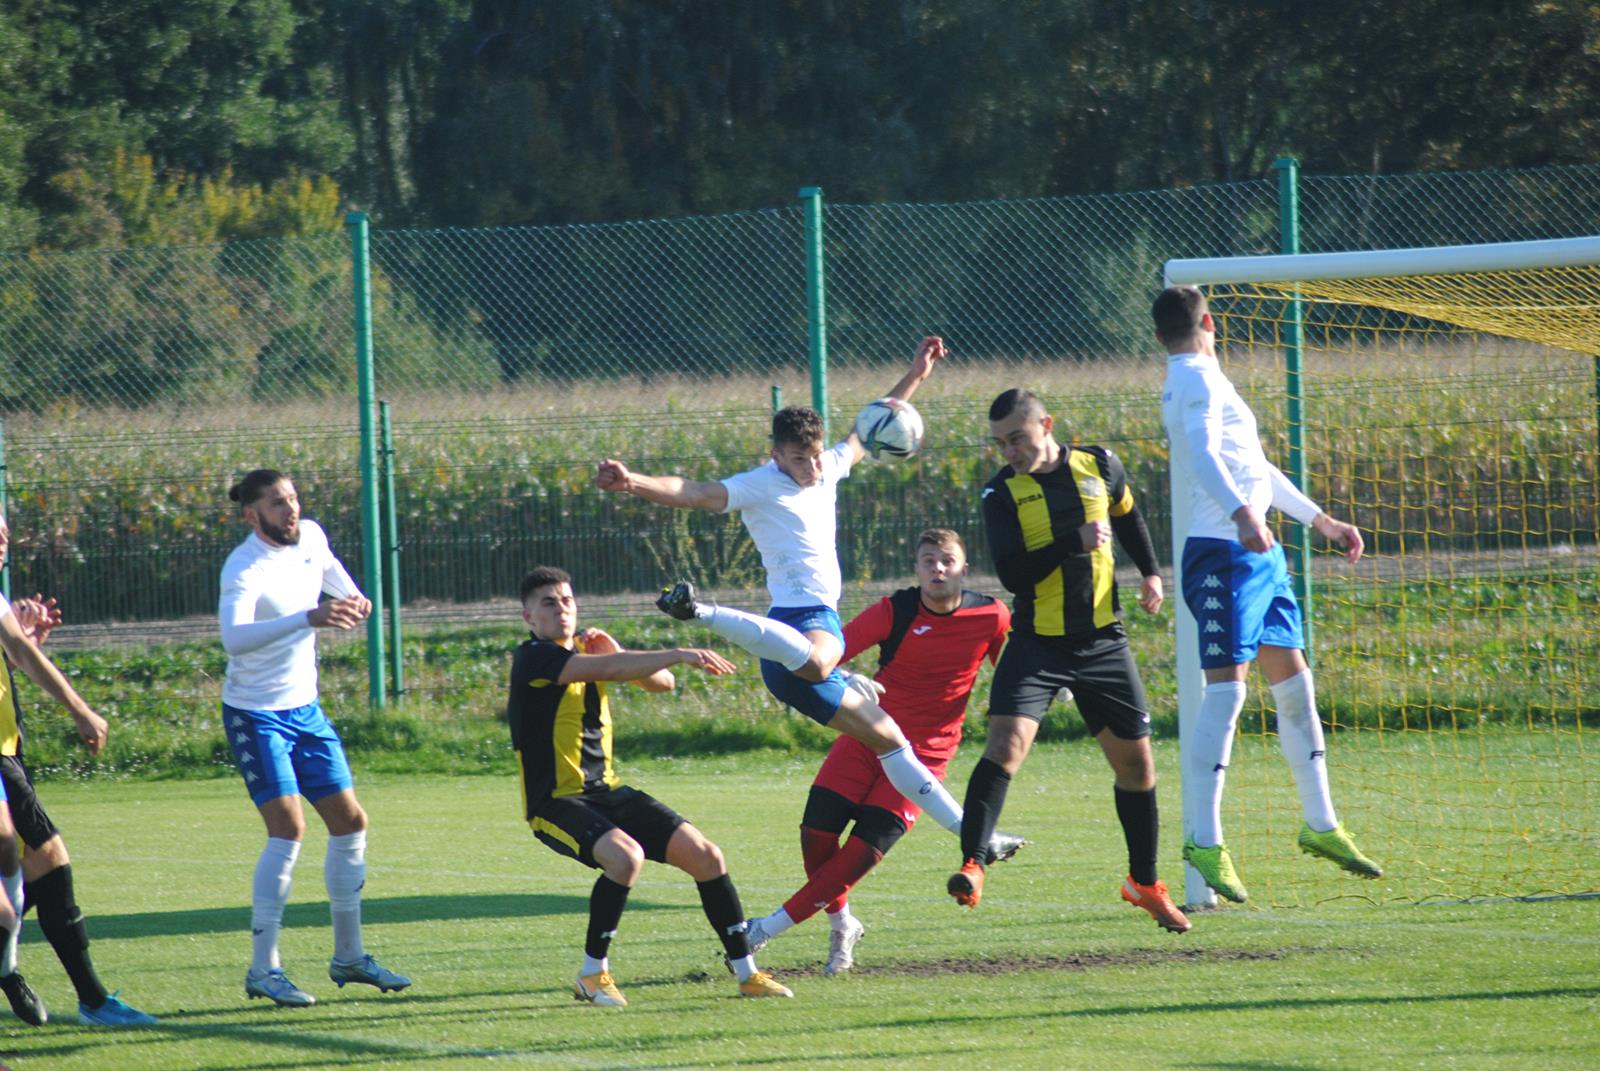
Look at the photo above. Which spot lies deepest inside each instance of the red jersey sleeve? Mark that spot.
(1002, 626)
(868, 628)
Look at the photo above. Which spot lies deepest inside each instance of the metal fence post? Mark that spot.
(1299, 548)
(372, 540)
(816, 303)
(391, 561)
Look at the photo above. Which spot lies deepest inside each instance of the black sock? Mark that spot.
(726, 914)
(1136, 809)
(62, 925)
(606, 902)
(986, 796)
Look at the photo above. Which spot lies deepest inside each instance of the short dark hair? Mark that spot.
(1177, 312)
(796, 424)
(1011, 400)
(542, 576)
(938, 537)
(253, 484)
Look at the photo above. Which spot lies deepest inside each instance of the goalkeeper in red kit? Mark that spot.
(931, 639)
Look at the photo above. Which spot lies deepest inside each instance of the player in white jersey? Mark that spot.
(44, 879)
(283, 742)
(1236, 583)
(788, 506)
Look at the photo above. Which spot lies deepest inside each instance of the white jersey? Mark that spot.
(795, 528)
(5, 606)
(1214, 433)
(266, 591)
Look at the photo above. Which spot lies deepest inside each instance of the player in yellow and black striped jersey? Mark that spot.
(560, 716)
(1050, 515)
(44, 880)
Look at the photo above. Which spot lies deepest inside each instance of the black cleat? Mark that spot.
(1002, 846)
(678, 601)
(25, 1003)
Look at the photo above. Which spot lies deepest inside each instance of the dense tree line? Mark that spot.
(487, 112)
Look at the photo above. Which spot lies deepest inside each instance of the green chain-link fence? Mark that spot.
(135, 385)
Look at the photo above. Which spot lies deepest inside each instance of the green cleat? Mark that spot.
(1216, 866)
(1337, 846)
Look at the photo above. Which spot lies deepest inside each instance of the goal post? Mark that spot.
(1451, 414)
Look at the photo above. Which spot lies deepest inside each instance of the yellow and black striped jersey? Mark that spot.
(562, 732)
(1032, 524)
(10, 712)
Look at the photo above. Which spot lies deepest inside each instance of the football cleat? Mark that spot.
(276, 987)
(678, 601)
(113, 1013)
(842, 948)
(599, 989)
(1154, 899)
(1002, 846)
(25, 1003)
(966, 884)
(757, 935)
(762, 984)
(367, 971)
(1336, 845)
(1216, 867)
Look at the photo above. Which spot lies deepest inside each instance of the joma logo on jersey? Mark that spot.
(920, 629)
(1037, 496)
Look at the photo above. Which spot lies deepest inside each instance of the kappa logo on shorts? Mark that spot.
(1212, 626)
(1212, 603)
(1213, 650)
(1211, 581)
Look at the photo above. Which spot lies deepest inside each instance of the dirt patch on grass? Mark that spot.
(1080, 961)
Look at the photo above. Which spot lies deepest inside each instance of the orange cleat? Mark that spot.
(966, 884)
(1154, 899)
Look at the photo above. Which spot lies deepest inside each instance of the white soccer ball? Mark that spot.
(889, 426)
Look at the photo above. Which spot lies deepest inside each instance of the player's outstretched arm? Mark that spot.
(675, 491)
(634, 665)
(597, 641)
(26, 656)
(929, 351)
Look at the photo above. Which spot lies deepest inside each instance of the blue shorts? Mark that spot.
(817, 701)
(287, 752)
(1240, 600)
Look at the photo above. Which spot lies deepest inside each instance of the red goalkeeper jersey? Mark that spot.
(928, 675)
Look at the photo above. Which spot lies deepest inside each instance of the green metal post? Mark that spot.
(1299, 549)
(5, 569)
(816, 303)
(777, 397)
(371, 531)
(391, 559)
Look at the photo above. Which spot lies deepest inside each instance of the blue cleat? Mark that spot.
(114, 1013)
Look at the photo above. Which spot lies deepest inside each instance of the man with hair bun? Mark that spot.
(284, 744)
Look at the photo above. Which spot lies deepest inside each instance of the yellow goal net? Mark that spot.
(1447, 406)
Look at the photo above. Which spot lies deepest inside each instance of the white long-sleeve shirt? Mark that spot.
(266, 592)
(795, 528)
(1216, 448)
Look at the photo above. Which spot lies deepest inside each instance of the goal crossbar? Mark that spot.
(1387, 263)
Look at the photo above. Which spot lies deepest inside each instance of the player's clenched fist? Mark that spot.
(612, 476)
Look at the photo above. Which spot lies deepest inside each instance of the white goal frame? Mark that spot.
(1296, 268)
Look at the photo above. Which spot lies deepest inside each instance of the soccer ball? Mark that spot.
(889, 426)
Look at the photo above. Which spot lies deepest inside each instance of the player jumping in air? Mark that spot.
(1236, 583)
(788, 506)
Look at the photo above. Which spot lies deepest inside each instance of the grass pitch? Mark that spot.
(1052, 971)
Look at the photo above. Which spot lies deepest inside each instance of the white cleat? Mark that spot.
(842, 948)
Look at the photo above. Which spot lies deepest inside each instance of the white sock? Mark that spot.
(916, 783)
(269, 891)
(1300, 740)
(776, 922)
(743, 967)
(1210, 747)
(344, 871)
(8, 952)
(841, 919)
(763, 637)
(592, 966)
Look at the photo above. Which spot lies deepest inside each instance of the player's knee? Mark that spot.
(879, 829)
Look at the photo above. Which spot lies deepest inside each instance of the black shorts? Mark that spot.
(570, 825)
(1099, 670)
(33, 824)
